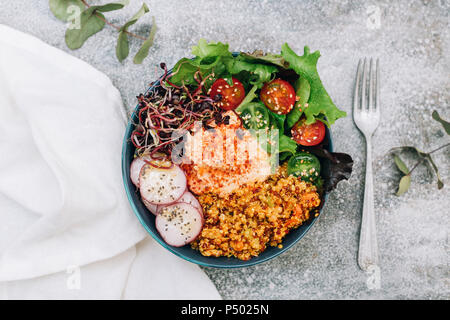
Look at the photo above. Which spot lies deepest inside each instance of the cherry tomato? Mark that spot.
(278, 95)
(227, 97)
(308, 134)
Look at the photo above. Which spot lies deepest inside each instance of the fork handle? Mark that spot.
(368, 247)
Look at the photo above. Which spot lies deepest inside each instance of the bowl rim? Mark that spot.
(247, 263)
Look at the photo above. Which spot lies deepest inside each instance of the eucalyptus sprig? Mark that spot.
(405, 181)
(86, 20)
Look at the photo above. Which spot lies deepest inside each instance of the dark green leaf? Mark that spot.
(284, 155)
(91, 22)
(404, 184)
(401, 165)
(319, 101)
(143, 51)
(143, 10)
(63, 10)
(444, 123)
(277, 121)
(122, 47)
(260, 73)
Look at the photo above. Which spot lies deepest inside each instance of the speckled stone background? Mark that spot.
(411, 38)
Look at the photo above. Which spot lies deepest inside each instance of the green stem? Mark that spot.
(113, 25)
(421, 160)
(441, 147)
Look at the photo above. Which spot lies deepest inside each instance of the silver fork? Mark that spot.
(366, 114)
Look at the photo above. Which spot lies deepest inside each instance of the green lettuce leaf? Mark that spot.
(215, 57)
(259, 56)
(258, 73)
(209, 58)
(213, 49)
(319, 102)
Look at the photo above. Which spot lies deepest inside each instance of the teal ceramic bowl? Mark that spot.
(147, 219)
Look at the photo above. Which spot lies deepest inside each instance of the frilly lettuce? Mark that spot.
(320, 104)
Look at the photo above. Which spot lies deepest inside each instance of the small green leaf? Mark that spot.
(122, 47)
(444, 123)
(404, 184)
(401, 165)
(63, 9)
(420, 153)
(143, 51)
(435, 168)
(91, 22)
(143, 10)
(111, 6)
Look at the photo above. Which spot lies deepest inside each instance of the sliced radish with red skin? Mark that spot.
(188, 198)
(135, 169)
(191, 199)
(137, 164)
(153, 208)
(162, 186)
(179, 223)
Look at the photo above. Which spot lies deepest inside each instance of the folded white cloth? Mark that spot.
(62, 203)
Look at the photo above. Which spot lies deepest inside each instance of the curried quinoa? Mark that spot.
(244, 222)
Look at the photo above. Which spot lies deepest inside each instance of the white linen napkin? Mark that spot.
(62, 203)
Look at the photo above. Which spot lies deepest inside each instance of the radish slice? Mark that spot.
(192, 200)
(179, 223)
(188, 198)
(161, 186)
(135, 169)
(153, 208)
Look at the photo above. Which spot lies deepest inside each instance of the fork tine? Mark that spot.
(363, 87)
(371, 86)
(356, 105)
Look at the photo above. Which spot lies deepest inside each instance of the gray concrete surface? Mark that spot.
(412, 42)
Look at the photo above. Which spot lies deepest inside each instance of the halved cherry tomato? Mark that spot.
(227, 97)
(308, 134)
(278, 95)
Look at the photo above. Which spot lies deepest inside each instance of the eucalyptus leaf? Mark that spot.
(143, 10)
(62, 9)
(122, 47)
(143, 51)
(404, 184)
(111, 6)
(91, 22)
(419, 152)
(444, 123)
(435, 168)
(401, 165)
